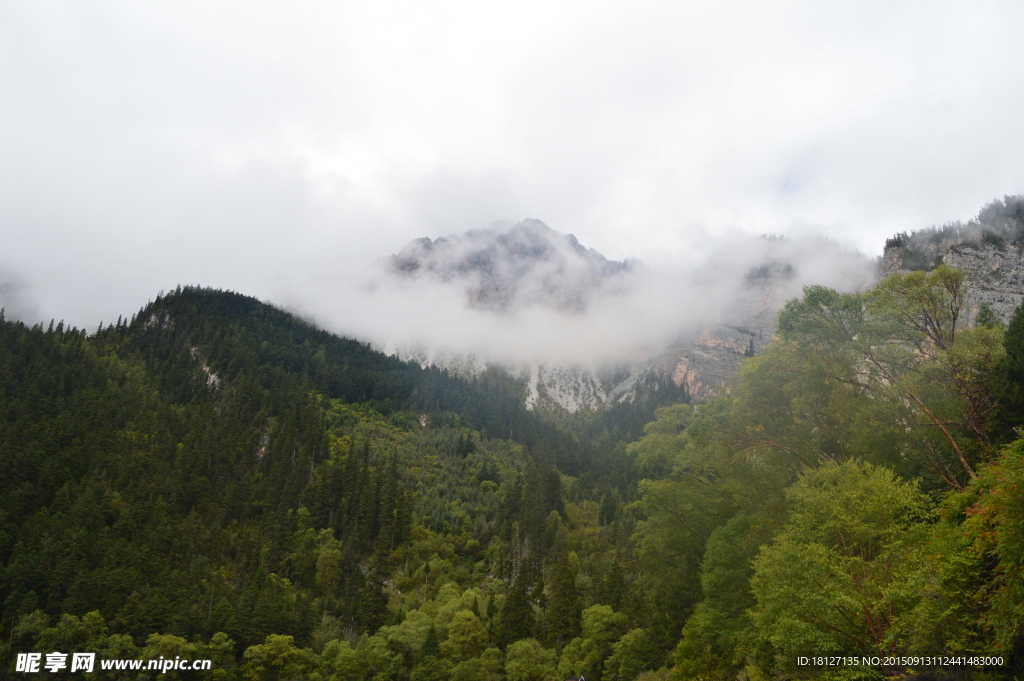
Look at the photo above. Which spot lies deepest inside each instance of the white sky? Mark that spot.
(262, 146)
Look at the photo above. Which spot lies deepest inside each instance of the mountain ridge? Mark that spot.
(530, 267)
(989, 249)
(528, 264)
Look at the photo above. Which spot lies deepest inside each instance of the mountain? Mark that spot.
(702, 323)
(217, 479)
(989, 249)
(527, 265)
(706, 361)
(158, 470)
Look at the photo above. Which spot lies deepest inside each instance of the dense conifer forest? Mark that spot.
(219, 479)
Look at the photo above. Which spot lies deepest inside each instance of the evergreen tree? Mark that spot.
(431, 644)
(609, 508)
(517, 620)
(615, 586)
(564, 607)
(1009, 381)
(373, 605)
(986, 316)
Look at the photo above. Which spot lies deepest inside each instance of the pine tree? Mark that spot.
(564, 607)
(517, 620)
(986, 316)
(373, 605)
(1009, 382)
(609, 508)
(431, 644)
(615, 586)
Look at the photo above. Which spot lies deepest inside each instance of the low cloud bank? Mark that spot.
(528, 294)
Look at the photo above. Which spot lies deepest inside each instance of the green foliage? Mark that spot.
(634, 653)
(585, 655)
(217, 470)
(219, 479)
(718, 639)
(986, 316)
(564, 608)
(1009, 381)
(655, 453)
(860, 563)
(431, 668)
(528, 660)
(995, 523)
(517, 620)
(839, 576)
(342, 662)
(467, 636)
(905, 346)
(276, 659)
(485, 667)
(715, 473)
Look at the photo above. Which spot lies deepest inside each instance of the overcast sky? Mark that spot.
(262, 146)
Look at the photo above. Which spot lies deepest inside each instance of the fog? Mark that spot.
(16, 299)
(566, 305)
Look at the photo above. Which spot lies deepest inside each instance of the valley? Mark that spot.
(817, 470)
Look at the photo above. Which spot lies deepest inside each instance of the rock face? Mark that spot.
(705, 362)
(575, 388)
(777, 269)
(989, 250)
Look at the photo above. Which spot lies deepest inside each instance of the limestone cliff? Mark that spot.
(989, 250)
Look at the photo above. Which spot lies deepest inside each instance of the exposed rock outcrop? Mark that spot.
(989, 250)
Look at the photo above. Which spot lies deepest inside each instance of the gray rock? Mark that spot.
(989, 250)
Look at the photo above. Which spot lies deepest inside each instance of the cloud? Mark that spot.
(16, 300)
(253, 146)
(527, 294)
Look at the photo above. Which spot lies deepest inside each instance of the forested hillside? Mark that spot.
(219, 470)
(218, 479)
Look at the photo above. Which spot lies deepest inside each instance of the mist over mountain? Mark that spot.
(529, 265)
(534, 300)
(219, 477)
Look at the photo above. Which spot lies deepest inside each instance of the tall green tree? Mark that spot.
(517, 620)
(585, 655)
(905, 344)
(840, 575)
(1009, 381)
(564, 608)
(528, 660)
(995, 523)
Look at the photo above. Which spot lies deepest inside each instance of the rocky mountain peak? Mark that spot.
(989, 250)
(502, 267)
(692, 328)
